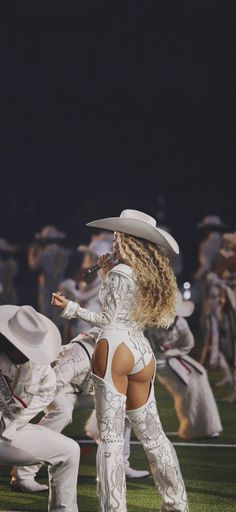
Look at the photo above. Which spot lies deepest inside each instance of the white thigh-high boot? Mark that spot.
(161, 454)
(91, 430)
(110, 410)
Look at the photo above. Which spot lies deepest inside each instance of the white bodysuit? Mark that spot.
(116, 295)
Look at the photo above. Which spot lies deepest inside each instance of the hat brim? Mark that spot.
(220, 227)
(139, 229)
(185, 309)
(38, 236)
(47, 352)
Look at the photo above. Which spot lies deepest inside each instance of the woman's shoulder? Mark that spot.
(124, 269)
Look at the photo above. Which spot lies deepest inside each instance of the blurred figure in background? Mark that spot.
(211, 228)
(8, 273)
(219, 316)
(227, 269)
(86, 292)
(184, 378)
(229, 276)
(49, 258)
(217, 322)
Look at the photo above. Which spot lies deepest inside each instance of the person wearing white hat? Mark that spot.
(137, 291)
(74, 391)
(184, 378)
(29, 342)
(49, 258)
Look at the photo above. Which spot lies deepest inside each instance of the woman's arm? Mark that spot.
(115, 287)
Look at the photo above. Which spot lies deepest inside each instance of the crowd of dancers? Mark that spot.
(59, 381)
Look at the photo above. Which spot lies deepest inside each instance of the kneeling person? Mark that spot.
(29, 342)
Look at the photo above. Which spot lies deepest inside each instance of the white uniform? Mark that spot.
(72, 372)
(32, 387)
(117, 295)
(185, 379)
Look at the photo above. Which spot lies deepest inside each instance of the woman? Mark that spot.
(185, 379)
(140, 290)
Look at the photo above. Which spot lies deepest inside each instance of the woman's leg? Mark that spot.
(144, 418)
(110, 399)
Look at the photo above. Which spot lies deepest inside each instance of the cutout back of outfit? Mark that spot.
(117, 296)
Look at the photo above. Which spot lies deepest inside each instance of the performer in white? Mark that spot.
(185, 378)
(140, 290)
(74, 390)
(29, 342)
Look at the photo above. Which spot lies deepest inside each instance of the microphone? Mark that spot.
(95, 268)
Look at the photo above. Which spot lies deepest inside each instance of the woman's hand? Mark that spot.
(58, 299)
(106, 263)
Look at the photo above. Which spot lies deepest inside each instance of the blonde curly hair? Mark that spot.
(154, 303)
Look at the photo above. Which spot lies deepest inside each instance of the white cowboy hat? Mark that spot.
(211, 221)
(50, 233)
(140, 225)
(183, 308)
(96, 247)
(33, 334)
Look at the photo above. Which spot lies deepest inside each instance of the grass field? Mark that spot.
(209, 472)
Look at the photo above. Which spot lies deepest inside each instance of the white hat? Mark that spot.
(50, 233)
(33, 334)
(140, 225)
(211, 221)
(183, 308)
(96, 247)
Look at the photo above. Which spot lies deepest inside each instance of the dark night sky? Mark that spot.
(107, 104)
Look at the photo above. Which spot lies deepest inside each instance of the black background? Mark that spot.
(106, 105)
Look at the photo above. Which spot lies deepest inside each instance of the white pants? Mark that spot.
(58, 415)
(37, 443)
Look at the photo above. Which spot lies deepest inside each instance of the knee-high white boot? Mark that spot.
(161, 454)
(110, 410)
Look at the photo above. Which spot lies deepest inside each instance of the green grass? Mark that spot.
(209, 473)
